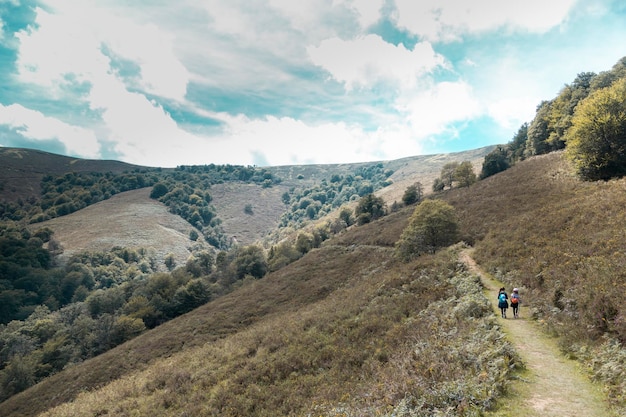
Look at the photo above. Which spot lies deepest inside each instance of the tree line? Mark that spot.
(587, 119)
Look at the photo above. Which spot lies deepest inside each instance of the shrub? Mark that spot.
(433, 225)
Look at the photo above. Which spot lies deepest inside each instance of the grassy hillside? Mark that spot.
(337, 330)
(561, 241)
(130, 220)
(347, 330)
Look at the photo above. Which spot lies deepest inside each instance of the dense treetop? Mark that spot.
(586, 113)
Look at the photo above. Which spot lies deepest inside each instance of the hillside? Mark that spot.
(131, 220)
(349, 330)
(21, 170)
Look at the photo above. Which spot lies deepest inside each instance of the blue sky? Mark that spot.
(281, 82)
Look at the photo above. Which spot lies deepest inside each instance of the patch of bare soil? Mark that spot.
(552, 385)
(130, 219)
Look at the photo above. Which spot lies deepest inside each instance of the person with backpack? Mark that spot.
(503, 303)
(515, 302)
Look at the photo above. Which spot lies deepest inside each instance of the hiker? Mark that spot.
(503, 304)
(515, 302)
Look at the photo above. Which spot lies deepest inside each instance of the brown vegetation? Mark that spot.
(349, 330)
(335, 330)
(130, 219)
(537, 227)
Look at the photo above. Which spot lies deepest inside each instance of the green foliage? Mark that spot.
(26, 277)
(159, 190)
(413, 194)
(184, 190)
(369, 208)
(438, 185)
(316, 201)
(464, 174)
(596, 143)
(345, 215)
(339, 343)
(548, 131)
(433, 225)
(454, 172)
(496, 161)
(106, 298)
(448, 173)
(250, 260)
(282, 255)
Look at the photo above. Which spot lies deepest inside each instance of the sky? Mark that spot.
(281, 82)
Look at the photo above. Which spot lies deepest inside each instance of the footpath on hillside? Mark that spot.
(551, 385)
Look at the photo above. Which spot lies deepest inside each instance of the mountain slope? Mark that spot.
(130, 219)
(349, 329)
(21, 170)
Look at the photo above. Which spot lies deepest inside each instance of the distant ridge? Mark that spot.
(21, 170)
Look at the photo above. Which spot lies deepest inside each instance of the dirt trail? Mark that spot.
(552, 384)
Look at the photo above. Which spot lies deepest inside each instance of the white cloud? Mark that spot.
(49, 53)
(34, 125)
(448, 19)
(286, 140)
(433, 111)
(369, 59)
(512, 112)
(368, 10)
(71, 41)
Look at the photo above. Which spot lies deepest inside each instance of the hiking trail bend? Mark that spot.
(552, 384)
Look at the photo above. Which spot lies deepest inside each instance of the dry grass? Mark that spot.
(385, 336)
(130, 219)
(230, 200)
(347, 330)
(562, 242)
(336, 330)
(21, 170)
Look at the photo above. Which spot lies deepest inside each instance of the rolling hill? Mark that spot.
(348, 329)
(21, 171)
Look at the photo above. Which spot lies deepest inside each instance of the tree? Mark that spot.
(281, 255)
(438, 185)
(16, 377)
(170, 261)
(369, 208)
(517, 144)
(250, 260)
(596, 142)
(448, 173)
(539, 131)
(495, 161)
(432, 225)
(159, 190)
(465, 174)
(413, 194)
(345, 214)
(194, 294)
